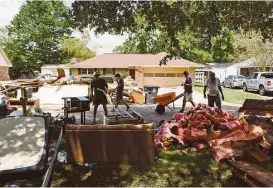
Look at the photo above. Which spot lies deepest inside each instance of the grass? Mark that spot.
(173, 168)
(235, 95)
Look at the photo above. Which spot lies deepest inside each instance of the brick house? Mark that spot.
(4, 66)
(144, 68)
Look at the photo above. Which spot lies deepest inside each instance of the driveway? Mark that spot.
(148, 110)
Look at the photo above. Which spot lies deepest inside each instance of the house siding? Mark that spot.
(4, 73)
(166, 81)
(75, 71)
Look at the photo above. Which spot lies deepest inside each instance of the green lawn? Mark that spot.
(235, 95)
(172, 169)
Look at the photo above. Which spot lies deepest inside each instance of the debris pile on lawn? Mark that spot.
(204, 127)
(131, 85)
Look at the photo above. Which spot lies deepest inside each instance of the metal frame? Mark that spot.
(48, 175)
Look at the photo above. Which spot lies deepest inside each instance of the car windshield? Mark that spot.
(239, 77)
(267, 75)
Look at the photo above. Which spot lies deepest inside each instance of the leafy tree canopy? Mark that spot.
(209, 18)
(75, 48)
(34, 35)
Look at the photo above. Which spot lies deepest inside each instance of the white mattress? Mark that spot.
(22, 141)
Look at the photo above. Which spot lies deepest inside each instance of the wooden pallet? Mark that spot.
(252, 174)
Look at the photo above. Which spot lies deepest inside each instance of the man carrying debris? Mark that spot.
(119, 89)
(187, 91)
(98, 86)
(214, 86)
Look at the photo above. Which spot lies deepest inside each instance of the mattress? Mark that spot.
(22, 145)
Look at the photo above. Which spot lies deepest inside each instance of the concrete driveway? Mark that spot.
(147, 111)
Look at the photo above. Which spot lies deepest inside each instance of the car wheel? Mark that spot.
(262, 90)
(244, 87)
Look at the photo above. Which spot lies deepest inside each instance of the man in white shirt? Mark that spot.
(214, 88)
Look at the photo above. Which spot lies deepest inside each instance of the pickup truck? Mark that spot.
(259, 81)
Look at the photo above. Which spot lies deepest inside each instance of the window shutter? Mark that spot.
(114, 71)
(104, 71)
(79, 71)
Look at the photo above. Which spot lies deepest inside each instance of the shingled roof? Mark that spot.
(115, 60)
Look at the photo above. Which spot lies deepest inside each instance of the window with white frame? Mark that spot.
(109, 71)
(87, 71)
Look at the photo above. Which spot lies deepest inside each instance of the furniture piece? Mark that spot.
(110, 144)
(76, 104)
(30, 103)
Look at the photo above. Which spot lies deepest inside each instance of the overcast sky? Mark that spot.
(103, 43)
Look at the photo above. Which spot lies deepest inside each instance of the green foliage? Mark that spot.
(35, 33)
(206, 19)
(74, 48)
(3, 36)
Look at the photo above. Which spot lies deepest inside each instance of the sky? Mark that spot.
(102, 44)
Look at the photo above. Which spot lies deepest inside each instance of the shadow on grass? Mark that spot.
(174, 168)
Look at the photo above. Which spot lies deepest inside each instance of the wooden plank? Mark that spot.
(246, 179)
(257, 155)
(255, 171)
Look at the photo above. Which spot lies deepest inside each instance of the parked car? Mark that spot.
(234, 81)
(259, 81)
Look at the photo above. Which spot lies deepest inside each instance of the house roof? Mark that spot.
(4, 61)
(113, 60)
(244, 64)
(218, 65)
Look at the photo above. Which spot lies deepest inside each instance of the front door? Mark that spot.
(132, 73)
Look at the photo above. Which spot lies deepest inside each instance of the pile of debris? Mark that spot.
(203, 127)
(131, 85)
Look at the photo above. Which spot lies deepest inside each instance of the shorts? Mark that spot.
(214, 99)
(99, 98)
(188, 97)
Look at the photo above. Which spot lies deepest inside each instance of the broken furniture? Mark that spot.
(257, 107)
(252, 174)
(110, 144)
(30, 103)
(76, 104)
(29, 147)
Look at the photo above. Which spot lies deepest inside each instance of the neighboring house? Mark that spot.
(52, 69)
(220, 70)
(144, 68)
(245, 67)
(4, 66)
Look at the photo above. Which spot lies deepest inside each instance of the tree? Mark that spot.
(75, 48)
(3, 36)
(202, 17)
(35, 33)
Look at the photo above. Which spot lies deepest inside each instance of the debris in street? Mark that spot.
(131, 85)
(203, 127)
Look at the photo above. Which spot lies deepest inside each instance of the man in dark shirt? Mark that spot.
(187, 91)
(119, 89)
(98, 85)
